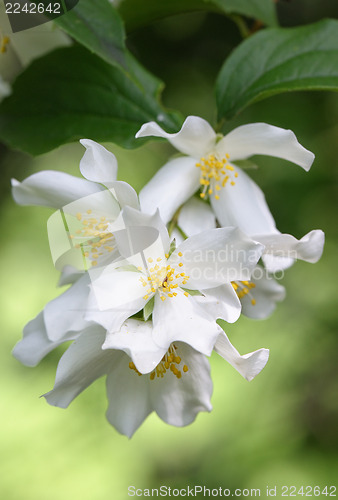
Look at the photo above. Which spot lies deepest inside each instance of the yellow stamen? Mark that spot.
(213, 174)
(164, 279)
(170, 361)
(242, 289)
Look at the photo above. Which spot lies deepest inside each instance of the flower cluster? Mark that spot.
(151, 276)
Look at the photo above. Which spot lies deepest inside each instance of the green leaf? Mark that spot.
(138, 13)
(264, 10)
(148, 308)
(70, 94)
(97, 26)
(278, 60)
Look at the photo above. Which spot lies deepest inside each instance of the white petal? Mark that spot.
(98, 164)
(243, 205)
(285, 246)
(35, 343)
(215, 257)
(137, 244)
(112, 317)
(249, 365)
(52, 189)
(181, 318)
(69, 275)
(178, 401)
(135, 339)
(264, 139)
(96, 205)
(196, 216)
(274, 264)
(266, 293)
(128, 395)
(221, 302)
(71, 230)
(65, 314)
(170, 187)
(125, 194)
(140, 237)
(78, 252)
(116, 289)
(82, 363)
(196, 137)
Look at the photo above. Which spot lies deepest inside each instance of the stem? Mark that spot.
(182, 233)
(64, 6)
(174, 220)
(219, 125)
(241, 25)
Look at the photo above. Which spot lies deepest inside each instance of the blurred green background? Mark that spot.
(281, 428)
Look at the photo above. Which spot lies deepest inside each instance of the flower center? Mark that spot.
(163, 279)
(215, 174)
(170, 361)
(242, 288)
(99, 242)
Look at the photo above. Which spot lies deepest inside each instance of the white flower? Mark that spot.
(133, 397)
(210, 164)
(259, 295)
(280, 250)
(150, 365)
(205, 263)
(63, 318)
(235, 198)
(142, 377)
(57, 189)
